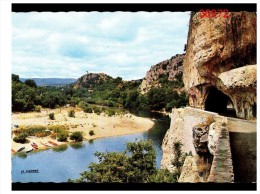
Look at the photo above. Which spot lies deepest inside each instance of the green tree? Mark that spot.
(111, 168)
(15, 78)
(23, 97)
(156, 98)
(131, 99)
(141, 163)
(31, 83)
(135, 164)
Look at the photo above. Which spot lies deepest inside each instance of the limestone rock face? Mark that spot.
(242, 77)
(190, 171)
(240, 85)
(200, 139)
(195, 169)
(170, 68)
(173, 134)
(215, 47)
(212, 138)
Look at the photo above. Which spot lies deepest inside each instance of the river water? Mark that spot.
(68, 161)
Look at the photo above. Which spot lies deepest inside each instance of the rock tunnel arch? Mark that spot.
(217, 101)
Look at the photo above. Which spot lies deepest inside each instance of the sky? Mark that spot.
(67, 45)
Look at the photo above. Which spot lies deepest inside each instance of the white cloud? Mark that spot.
(122, 44)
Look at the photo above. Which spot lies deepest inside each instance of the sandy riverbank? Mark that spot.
(103, 125)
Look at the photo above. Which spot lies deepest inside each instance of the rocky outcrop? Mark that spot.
(204, 135)
(200, 139)
(175, 133)
(240, 85)
(182, 122)
(219, 54)
(169, 68)
(91, 79)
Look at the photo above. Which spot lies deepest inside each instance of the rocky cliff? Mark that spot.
(219, 71)
(216, 46)
(170, 68)
(91, 79)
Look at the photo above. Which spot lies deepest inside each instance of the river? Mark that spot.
(68, 161)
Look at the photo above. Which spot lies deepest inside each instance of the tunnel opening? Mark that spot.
(219, 102)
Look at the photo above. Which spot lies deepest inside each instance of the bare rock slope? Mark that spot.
(170, 67)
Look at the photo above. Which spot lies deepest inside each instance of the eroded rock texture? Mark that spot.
(169, 68)
(221, 56)
(200, 139)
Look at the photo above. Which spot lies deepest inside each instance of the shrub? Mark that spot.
(163, 176)
(178, 156)
(77, 136)
(103, 109)
(35, 130)
(71, 113)
(20, 138)
(58, 128)
(60, 132)
(110, 112)
(51, 116)
(97, 110)
(62, 136)
(37, 108)
(82, 104)
(91, 132)
(88, 110)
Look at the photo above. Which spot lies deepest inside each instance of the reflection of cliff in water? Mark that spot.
(243, 148)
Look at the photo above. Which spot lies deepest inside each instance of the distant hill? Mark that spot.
(51, 81)
(91, 80)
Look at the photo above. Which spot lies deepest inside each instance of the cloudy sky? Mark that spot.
(66, 45)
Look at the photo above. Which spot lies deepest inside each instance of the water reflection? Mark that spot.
(21, 155)
(60, 148)
(77, 145)
(91, 141)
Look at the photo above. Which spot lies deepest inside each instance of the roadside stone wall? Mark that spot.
(214, 166)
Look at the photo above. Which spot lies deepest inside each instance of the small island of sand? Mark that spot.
(102, 125)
